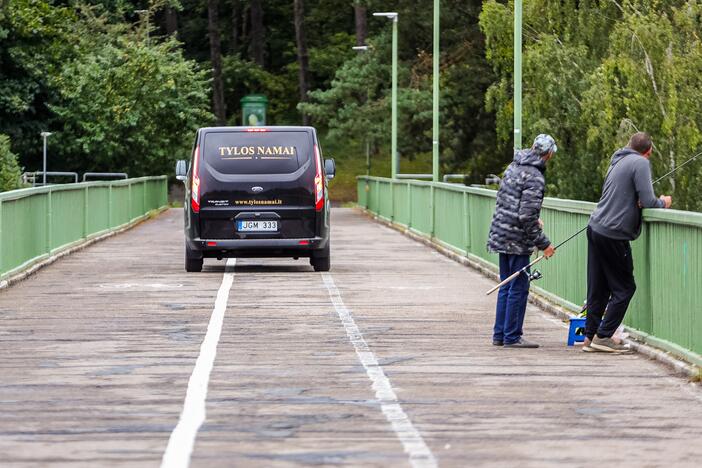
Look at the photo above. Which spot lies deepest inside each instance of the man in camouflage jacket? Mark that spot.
(515, 232)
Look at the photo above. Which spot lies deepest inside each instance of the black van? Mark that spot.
(256, 192)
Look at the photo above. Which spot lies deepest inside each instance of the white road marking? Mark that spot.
(139, 285)
(419, 454)
(182, 440)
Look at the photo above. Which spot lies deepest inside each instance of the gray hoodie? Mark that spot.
(627, 183)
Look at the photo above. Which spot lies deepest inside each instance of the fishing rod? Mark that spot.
(537, 274)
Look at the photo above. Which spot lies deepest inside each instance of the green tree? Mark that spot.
(36, 39)
(594, 73)
(10, 171)
(357, 105)
(650, 81)
(130, 104)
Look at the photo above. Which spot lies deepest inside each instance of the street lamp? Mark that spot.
(393, 16)
(435, 96)
(517, 74)
(45, 136)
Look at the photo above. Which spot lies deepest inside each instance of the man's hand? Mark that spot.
(541, 223)
(667, 199)
(549, 251)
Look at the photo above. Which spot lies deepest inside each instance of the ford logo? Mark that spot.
(257, 189)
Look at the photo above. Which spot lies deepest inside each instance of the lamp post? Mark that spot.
(393, 16)
(45, 136)
(365, 48)
(517, 74)
(435, 97)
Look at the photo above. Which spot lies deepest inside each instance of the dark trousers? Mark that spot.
(511, 300)
(610, 283)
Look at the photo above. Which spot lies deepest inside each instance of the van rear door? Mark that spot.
(264, 175)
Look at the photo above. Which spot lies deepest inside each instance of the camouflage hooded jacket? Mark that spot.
(515, 225)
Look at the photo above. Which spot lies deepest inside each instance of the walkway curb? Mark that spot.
(678, 366)
(6, 283)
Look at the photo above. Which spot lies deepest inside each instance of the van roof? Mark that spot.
(271, 128)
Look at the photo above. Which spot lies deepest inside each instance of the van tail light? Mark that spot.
(195, 189)
(318, 182)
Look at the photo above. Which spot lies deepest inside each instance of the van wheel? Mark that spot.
(192, 262)
(321, 259)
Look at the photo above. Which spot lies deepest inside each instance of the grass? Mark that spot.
(351, 162)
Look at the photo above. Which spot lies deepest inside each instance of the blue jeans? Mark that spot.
(511, 300)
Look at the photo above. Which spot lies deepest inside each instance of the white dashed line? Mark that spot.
(182, 440)
(419, 453)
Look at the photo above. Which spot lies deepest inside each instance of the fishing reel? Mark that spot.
(535, 275)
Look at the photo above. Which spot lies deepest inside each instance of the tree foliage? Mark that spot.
(596, 72)
(115, 99)
(9, 168)
(129, 104)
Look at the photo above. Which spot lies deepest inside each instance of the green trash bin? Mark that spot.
(253, 110)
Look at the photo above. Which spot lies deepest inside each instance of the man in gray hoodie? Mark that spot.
(615, 222)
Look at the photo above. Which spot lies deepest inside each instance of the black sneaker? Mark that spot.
(521, 343)
(497, 342)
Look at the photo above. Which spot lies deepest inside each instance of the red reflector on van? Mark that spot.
(304, 242)
(256, 129)
(211, 244)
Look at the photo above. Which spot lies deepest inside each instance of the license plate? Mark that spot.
(256, 226)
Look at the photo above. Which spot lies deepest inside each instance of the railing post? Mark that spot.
(86, 206)
(377, 197)
(409, 204)
(466, 224)
(392, 200)
(367, 189)
(143, 199)
(648, 305)
(109, 206)
(164, 192)
(1, 254)
(129, 202)
(48, 222)
(432, 211)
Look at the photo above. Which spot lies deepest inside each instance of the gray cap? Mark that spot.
(544, 144)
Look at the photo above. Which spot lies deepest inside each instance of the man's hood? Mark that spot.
(622, 153)
(529, 157)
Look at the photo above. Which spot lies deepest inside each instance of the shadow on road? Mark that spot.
(219, 267)
(293, 268)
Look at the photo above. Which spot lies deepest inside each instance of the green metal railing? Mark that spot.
(36, 223)
(667, 307)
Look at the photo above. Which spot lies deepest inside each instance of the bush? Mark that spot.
(10, 171)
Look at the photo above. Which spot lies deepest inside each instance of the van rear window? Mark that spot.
(257, 152)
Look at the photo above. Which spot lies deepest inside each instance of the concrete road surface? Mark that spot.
(110, 353)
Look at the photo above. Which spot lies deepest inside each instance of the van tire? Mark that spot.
(192, 262)
(321, 259)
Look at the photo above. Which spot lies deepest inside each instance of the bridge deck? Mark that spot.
(96, 352)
